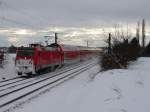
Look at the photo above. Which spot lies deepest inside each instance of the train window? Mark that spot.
(48, 48)
(25, 53)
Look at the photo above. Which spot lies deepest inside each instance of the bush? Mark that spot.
(133, 50)
(110, 61)
(121, 54)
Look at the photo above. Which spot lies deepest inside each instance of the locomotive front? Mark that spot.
(25, 60)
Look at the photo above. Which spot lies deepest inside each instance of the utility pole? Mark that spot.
(56, 38)
(109, 43)
(143, 33)
(138, 31)
(47, 37)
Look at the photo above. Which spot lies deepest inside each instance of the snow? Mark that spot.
(110, 91)
(120, 90)
(7, 71)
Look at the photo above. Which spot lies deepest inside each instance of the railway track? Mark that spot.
(9, 98)
(9, 79)
(26, 81)
(20, 80)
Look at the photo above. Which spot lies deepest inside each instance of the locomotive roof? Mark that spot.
(64, 47)
(69, 47)
(54, 45)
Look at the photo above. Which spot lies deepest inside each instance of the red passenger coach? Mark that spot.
(71, 53)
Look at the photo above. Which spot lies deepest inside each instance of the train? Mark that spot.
(37, 58)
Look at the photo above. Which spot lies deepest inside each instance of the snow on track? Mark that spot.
(26, 90)
(122, 90)
(24, 82)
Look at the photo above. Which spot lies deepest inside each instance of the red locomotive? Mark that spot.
(35, 58)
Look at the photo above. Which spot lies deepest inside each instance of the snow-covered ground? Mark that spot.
(7, 71)
(111, 91)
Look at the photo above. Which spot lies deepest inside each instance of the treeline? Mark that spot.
(121, 53)
(11, 49)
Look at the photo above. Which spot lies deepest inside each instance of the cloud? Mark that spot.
(39, 13)
(76, 21)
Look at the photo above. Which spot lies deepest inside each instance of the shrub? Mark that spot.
(133, 50)
(121, 54)
(110, 61)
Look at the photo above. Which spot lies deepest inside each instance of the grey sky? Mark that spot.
(41, 14)
(75, 12)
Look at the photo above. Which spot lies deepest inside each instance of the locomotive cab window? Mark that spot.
(25, 53)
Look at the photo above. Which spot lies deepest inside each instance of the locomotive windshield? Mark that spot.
(25, 52)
